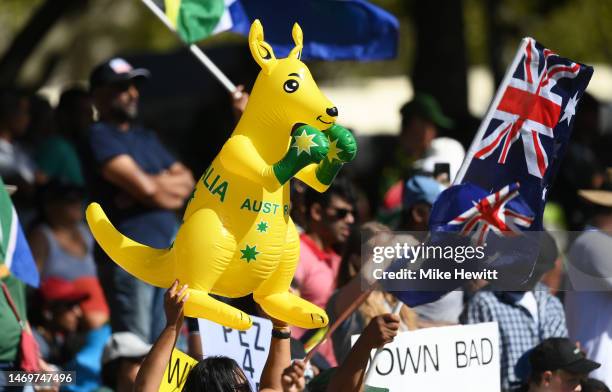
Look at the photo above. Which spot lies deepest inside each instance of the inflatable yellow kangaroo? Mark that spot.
(237, 236)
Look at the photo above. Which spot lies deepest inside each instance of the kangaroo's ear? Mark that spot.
(260, 50)
(298, 38)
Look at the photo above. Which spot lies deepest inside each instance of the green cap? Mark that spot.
(426, 106)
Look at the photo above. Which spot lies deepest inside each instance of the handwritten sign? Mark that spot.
(176, 372)
(248, 348)
(458, 358)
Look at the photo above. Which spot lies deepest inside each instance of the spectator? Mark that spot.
(63, 247)
(419, 194)
(350, 376)
(65, 336)
(57, 319)
(139, 184)
(16, 165)
(11, 330)
(121, 361)
(329, 217)
(350, 281)
(524, 318)
(41, 123)
(57, 157)
(213, 374)
(557, 365)
(420, 148)
(588, 303)
(581, 168)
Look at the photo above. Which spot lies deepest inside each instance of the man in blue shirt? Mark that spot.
(138, 183)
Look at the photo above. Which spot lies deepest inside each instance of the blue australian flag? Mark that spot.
(333, 29)
(500, 191)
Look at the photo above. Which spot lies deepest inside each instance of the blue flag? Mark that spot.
(333, 29)
(500, 190)
(15, 255)
(527, 129)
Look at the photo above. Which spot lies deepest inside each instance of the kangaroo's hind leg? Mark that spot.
(274, 297)
(203, 249)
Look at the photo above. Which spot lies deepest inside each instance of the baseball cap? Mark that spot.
(560, 353)
(420, 189)
(426, 106)
(62, 290)
(116, 70)
(124, 345)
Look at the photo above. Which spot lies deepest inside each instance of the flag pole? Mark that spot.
(487, 119)
(347, 312)
(195, 50)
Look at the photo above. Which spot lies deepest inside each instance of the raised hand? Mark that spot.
(381, 330)
(174, 301)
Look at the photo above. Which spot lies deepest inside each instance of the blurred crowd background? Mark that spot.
(413, 118)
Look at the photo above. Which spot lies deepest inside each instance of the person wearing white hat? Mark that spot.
(123, 354)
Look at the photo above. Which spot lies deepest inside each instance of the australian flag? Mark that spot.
(527, 129)
(500, 190)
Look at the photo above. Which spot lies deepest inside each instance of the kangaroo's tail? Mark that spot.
(154, 266)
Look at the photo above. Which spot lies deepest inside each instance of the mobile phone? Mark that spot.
(442, 172)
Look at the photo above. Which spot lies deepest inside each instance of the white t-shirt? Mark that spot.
(588, 305)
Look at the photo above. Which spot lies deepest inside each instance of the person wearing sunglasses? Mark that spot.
(140, 185)
(329, 217)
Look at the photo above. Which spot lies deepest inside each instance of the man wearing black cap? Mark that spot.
(138, 183)
(558, 365)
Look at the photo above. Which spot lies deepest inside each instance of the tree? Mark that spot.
(26, 41)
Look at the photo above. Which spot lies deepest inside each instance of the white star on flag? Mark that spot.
(304, 142)
(570, 109)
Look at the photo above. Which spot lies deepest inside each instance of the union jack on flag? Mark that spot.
(492, 213)
(535, 103)
(530, 109)
(501, 186)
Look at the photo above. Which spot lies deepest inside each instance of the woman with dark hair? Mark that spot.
(213, 374)
(63, 247)
(216, 374)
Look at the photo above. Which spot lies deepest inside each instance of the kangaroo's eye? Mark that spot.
(291, 86)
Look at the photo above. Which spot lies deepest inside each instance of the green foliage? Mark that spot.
(581, 30)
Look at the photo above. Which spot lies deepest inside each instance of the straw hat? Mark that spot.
(602, 197)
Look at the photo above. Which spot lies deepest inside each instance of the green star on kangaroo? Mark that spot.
(249, 253)
(262, 227)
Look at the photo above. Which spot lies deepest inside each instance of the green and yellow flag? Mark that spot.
(194, 20)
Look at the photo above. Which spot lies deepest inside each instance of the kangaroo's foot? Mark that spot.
(293, 310)
(202, 305)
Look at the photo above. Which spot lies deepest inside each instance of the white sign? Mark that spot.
(248, 348)
(462, 358)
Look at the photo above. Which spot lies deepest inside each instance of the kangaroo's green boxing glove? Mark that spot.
(308, 145)
(342, 149)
